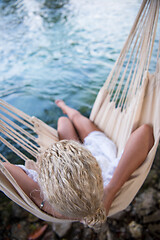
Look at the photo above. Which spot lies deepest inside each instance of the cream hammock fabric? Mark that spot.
(129, 98)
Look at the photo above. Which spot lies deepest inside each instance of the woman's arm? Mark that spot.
(31, 188)
(135, 152)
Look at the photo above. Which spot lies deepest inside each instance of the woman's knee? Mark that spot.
(66, 129)
(62, 121)
(148, 129)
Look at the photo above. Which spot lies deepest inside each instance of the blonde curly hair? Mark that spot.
(71, 181)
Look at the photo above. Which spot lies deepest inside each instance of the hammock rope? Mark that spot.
(129, 98)
(14, 132)
(135, 59)
(120, 100)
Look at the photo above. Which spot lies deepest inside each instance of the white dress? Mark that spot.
(102, 148)
(105, 152)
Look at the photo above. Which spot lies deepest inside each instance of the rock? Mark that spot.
(135, 230)
(87, 233)
(19, 231)
(104, 232)
(5, 211)
(5, 217)
(158, 199)
(50, 235)
(109, 235)
(124, 233)
(152, 178)
(155, 230)
(155, 217)
(76, 231)
(18, 212)
(32, 218)
(145, 203)
(61, 229)
(147, 236)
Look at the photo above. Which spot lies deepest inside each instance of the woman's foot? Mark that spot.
(82, 124)
(61, 104)
(70, 112)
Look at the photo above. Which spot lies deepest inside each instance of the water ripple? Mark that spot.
(59, 49)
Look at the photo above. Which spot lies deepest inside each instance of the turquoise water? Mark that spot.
(59, 49)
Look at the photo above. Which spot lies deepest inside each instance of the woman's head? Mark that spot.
(71, 181)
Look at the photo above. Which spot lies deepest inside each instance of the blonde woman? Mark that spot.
(78, 177)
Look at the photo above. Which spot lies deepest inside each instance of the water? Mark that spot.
(59, 49)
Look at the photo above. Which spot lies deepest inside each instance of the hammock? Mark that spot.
(129, 98)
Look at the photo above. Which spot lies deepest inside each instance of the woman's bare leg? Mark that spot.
(82, 124)
(66, 129)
